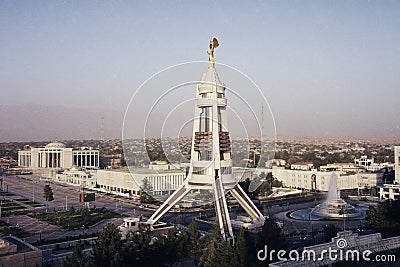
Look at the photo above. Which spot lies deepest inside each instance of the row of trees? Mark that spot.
(141, 249)
(262, 186)
(385, 218)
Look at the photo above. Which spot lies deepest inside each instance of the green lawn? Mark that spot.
(15, 231)
(75, 219)
(7, 205)
(3, 223)
(3, 193)
(31, 203)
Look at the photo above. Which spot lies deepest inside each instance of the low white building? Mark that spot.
(302, 179)
(370, 165)
(129, 182)
(341, 168)
(304, 166)
(397, 164)
(364, 161)
(77, 177)
(57, 156)
(389, 191)
(160, 166)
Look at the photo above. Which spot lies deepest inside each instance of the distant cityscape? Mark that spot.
(367, 171)
(130, 135)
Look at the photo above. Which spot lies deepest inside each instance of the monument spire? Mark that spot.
(210, 162)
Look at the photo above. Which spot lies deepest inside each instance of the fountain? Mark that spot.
(334, 206)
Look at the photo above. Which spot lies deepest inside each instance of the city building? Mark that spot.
(392, 191)
(341, 168)
(304, 166)
(242, 174)
(129, 181)
(303, 179)
(160, 165)
(364, 161)
(397, 164)
(275, 162)
(77, 177)
(370, 165)
(57, 156)
(389, 191)
(17, 253)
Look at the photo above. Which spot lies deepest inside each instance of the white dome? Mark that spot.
(55, 145)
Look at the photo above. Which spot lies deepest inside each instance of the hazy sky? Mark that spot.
(328, 68)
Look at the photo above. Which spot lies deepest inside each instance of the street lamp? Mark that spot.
(83, 229)
(33, 191)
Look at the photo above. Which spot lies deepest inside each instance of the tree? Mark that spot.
(272, 236)
(85, 213)
(106, 250)
(194, 243)
(78, 258)
(242, 248)
(385, 218)
(48, 195)
(71, 211)
(277, 183)
(219, 252)
(145, 190)
(330, 231)
(137, 249)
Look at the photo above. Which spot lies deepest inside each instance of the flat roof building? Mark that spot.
(397, 164)
(57, 156)
(17, 253)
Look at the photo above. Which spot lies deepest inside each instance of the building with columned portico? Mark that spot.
(57, 156)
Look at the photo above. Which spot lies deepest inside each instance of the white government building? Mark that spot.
(397, 164)
(302, 179)
(57, 155)
(392, 191)
(124, 181)
(80, 168)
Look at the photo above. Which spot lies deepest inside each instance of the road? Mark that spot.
(65, 196)
(31, 187)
